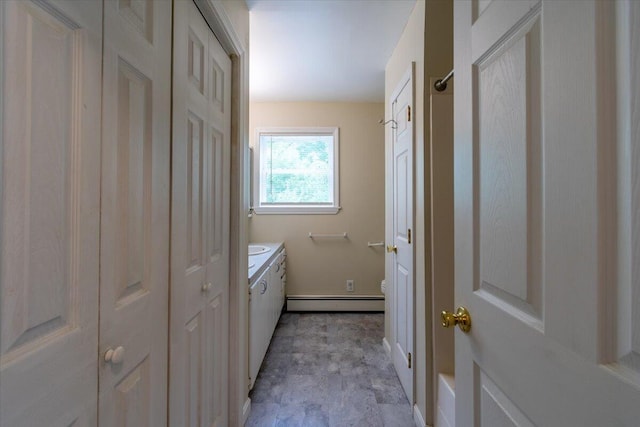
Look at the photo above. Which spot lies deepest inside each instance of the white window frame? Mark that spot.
(297, 209)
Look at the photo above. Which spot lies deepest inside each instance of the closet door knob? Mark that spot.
(114, 356)
(206, 287)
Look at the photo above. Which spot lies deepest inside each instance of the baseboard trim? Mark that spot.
(387, 347)
(335, 303)
(246, 410)
(417, 417)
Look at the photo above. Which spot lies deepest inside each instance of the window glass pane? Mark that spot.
(296, 169)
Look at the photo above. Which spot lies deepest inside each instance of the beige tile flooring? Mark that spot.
(328, 369)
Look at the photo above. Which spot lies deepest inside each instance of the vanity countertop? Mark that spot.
(258, 263)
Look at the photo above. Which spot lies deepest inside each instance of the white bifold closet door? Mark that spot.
(84, 215)
(200, 223)
(50, 54)
(134, 271)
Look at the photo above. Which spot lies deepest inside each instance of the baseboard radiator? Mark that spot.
(335, 302)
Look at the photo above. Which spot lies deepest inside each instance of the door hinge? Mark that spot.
(249, 295)
(409, 360)
(409, 113)
(249, 385)
(409, 236)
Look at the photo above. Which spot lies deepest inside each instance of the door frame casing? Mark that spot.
(219, 22)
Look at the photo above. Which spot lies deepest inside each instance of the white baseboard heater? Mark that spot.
(335, 302)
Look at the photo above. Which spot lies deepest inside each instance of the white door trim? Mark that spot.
(220, 23)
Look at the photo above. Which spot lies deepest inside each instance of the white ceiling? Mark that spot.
(323, 50)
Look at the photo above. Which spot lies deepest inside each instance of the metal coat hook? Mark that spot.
(441, 84)
(394, 124)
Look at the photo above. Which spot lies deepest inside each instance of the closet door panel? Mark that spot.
(216, 357)
(195, 232)
(49, 212)
(135, 214)
(200, 223)
(217, 213)
(194, 60)
(194, 381)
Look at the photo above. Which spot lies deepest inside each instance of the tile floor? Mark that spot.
(328, 369)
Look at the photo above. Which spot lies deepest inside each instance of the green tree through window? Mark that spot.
(297, 169)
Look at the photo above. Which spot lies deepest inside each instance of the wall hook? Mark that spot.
(394, 124)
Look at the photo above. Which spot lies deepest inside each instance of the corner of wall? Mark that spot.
(428, 41)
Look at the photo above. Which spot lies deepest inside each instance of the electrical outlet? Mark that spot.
(349, 285)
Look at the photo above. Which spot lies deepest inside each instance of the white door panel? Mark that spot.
(402, 263)
(200, 223)
(49, 217)
(544, 212)
(135, 212)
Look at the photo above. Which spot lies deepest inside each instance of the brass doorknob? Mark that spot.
(392, 248)
(462, 318)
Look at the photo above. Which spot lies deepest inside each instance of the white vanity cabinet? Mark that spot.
(266, 299)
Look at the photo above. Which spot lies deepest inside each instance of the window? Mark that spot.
(296, 171)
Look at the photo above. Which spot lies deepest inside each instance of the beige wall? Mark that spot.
(321, 267)
(427, 41)
(439, 139)
(439, 60)
(239, 16)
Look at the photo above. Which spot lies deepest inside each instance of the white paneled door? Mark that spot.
(51, 54)
(401, 249)
(200, 223)
(134, 271)
(547, 218)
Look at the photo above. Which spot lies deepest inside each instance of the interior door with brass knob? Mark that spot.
(547, 225)
(401, 251)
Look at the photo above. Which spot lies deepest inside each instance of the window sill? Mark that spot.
(297, 210)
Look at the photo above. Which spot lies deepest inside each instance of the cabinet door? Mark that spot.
(283, 278)
(274, 269)
(265, 313)
(255, 342)
(200, 223)
(51, 53)
(135, 213)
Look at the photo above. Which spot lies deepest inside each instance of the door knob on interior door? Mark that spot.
(392, 248)
(114, 356)
(206, 287)
(461, 317)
